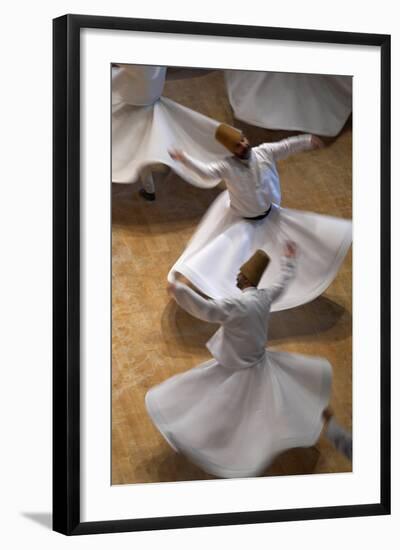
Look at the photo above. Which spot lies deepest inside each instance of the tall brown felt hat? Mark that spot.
(255, 266)
(228, 136)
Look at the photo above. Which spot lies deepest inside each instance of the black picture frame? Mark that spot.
(66, 273)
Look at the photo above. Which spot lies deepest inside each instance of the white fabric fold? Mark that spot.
(137, 84)
(223, 242)
(319, 104)
(233, 423)
(142, 136)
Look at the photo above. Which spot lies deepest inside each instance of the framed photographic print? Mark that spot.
(221, 274)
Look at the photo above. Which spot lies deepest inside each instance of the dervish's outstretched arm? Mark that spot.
(206, 310)
(212, 170)
(288, 264)
(290, 146)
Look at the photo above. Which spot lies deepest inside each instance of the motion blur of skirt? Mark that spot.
(318, 104)
(223, 241)
(142, 137)
(233, 423)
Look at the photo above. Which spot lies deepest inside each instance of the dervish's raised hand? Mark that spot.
(317, 142)
(290, 249)
(177, 154)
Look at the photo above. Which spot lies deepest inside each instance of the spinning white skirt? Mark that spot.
(137, 84)
(319, 104)
(233, 423)
(223, 242)
(146, 126)
(142, 136)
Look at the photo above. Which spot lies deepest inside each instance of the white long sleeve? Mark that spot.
(196, 305)
(288, 266)
(286, 147)
(211, 170)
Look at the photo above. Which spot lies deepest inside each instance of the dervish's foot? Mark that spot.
(340, 438)
(147, 196)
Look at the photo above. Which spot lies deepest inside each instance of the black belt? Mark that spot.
(261, 216)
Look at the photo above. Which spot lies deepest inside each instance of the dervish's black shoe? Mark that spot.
(147, 196)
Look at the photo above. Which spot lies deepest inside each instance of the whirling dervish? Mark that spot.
(247, 216)
(233, 414)
(146, 125)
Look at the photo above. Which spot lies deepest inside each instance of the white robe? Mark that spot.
(253, 184)
(145, 126)
(319, 104)
(223, 240)
(234, 414)
(137, 85)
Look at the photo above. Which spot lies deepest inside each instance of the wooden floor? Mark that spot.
(153, 339)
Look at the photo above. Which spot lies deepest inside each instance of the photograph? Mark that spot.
(200, 266)
(221, 262)
(231, 299)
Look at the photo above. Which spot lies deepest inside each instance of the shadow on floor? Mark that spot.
(299, 461)
(177, 204)
(168, 466)
(321, 318)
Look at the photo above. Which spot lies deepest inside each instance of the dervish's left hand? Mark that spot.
(317, 142)
(290, 249)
